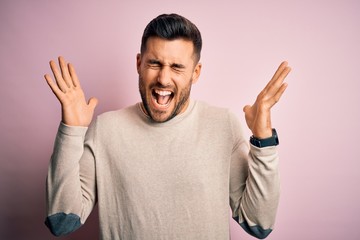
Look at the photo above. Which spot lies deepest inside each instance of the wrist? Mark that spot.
(265, 133)
(273, 140)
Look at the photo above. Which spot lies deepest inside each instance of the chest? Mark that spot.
(181, 163)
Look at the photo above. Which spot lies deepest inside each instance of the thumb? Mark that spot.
(246, 108)
(93, 102)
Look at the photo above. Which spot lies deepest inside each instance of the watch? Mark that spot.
(265, 142)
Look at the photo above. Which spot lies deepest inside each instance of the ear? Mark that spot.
(138, 62)
(196, 73)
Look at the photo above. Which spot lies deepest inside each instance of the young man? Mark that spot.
(165, 168)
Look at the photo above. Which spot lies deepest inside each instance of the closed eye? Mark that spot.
(154, 63)
(178, 67)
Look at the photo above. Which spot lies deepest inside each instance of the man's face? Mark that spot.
(167, 69)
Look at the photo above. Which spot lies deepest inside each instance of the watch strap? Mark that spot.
(266, 142)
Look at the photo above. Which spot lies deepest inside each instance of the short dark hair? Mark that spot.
(170, 27)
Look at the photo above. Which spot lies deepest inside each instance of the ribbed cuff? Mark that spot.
(72, 130)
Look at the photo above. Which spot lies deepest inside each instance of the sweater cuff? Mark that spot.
(72, 130)
(263, 152)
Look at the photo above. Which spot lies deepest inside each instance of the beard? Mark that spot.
(180, 102)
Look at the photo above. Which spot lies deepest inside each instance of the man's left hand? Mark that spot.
(258, 117)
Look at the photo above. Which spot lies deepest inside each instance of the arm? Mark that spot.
(70, 183)
(254, 177)
(71, 190)
(254, 188)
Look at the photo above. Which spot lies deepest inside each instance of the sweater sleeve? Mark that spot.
(254, 185)
(70, 183)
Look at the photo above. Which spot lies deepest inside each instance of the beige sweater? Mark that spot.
(172, 180)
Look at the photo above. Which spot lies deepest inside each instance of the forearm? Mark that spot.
(254, 189)
(66, 191)
(261, 195)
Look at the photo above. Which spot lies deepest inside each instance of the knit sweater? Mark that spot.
(171, 180)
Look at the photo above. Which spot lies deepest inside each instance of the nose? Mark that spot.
(164, 77)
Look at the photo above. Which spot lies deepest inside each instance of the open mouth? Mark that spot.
(162, 97)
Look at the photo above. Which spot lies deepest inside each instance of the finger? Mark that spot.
(93, 102)
(279, 93)
(281, 67)
(65, 71)
(283, 74)
(54, 87)
(273, 87)
(59, 80)
(73, 75)
(246, 108)
(278, 72)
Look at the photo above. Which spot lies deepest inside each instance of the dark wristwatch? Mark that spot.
(266, 142)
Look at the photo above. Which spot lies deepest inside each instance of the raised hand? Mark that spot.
(75, 110)
(258, 117)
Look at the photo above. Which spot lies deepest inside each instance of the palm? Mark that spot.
(75, 110)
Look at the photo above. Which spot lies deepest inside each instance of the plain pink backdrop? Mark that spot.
(244, 41)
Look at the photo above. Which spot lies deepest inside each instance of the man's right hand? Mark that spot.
(75, 110)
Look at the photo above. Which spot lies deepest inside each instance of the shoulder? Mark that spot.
(125, 115)
(220, 118)
(215, 112)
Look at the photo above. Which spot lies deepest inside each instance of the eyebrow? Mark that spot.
(177, 65)
(154, 61)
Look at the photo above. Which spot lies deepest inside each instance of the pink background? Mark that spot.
(244, 41)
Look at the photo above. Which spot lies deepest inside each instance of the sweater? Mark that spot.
(171, 180)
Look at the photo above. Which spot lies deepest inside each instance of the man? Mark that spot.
(165, 168)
